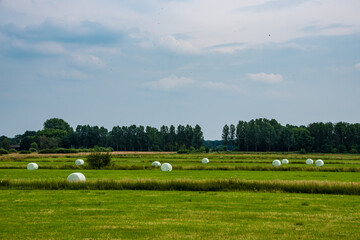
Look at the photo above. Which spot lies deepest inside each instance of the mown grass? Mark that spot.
(183, 174)
(84, 214)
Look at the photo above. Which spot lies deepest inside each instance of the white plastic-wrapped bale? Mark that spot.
(205, 160)
(32, 166)
(166, 167)
(79, 162)
(76, 177)
(285, 161)
(309, 161)
(156, 164)
(276, 163)
(319, 163)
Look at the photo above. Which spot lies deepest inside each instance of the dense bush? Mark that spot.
(99, 160)
(32, 150)
(58, 150)
(3, 151)
(24, 152)
(11, 150)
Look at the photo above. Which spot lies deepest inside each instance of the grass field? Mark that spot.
(254, 212)
(176, 215)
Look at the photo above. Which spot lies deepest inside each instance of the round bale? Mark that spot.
(276, 163)
(309, 161)
(166, 167)
(156, 164)
(79, 162)
(76, 177)
(205, 160)
(285, 161)
(319, 163)
(32, 166)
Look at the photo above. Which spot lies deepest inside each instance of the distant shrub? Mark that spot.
(58, 150)
(302, 151)
(99, 160)
(24, 152)
(32, 150)
(207, 149)
(183, 151)
(3, 151)
(11, 150)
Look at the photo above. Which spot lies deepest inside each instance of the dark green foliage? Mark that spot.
(24, 152)
(32, 150)
(5, 142)
(58, 150)
(3, 151)
(99, 160)
(11, 150)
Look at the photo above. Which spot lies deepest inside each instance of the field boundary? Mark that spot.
(233, 184)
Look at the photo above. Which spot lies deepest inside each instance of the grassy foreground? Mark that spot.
(42, 214)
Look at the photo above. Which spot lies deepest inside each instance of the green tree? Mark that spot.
(225, 135)
(57, 123)
(4, 142)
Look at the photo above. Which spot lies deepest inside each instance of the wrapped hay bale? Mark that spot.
(79, 162)
(32, 166)
(309, 161)
(285, 161)
(76, 177)
(205, 161)
(156, 164)
(319, 163)
(166, 167)
(276, 163)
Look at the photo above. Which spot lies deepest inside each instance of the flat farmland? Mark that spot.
(259, 207)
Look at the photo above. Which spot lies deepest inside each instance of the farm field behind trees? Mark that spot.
(251, 211)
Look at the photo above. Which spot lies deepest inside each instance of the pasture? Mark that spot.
(235, 196)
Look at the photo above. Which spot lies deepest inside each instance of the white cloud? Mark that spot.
(265, 77)
(50, 48)
(176, 45)
(171, 83)
(357, 66)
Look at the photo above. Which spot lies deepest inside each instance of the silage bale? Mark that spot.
(319, 163)
(76, 177)
(285, 161)
(166, 167)
(32, 166)
(156, 164)
(309, 161)
(205, 161)
(79, 162)
(276, 163)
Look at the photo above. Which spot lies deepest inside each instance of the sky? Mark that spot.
(171, 62)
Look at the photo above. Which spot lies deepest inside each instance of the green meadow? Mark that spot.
(235, 196)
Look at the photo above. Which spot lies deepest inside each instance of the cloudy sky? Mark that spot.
(163, 62)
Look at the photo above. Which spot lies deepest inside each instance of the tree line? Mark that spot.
(269, 135)
(58, 133)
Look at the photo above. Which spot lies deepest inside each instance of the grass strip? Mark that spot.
(233, 184)
(229, 168)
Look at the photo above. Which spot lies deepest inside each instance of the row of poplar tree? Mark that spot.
(58, 133)
(269, 135)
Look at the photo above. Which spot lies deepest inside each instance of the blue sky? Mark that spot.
(159, 62)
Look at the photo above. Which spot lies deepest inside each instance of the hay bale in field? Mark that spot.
(276, 163)
(319, 163)
(166, 167)
(309, 161)
(79, 162)
(32, 166)
(76, 177)
(156, 164)
(285, 161)
(205, 161)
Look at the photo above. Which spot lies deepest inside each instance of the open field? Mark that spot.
(42, 214)
(235, 196)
